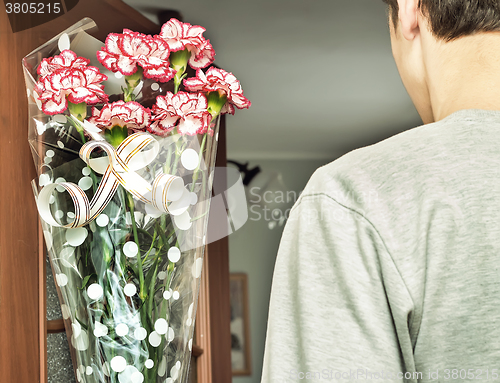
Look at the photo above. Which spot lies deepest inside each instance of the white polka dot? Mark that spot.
(89, 370)
(161, 326)
(137, 377)
(194, 198)
(175, 295)
(130, 290)
(190, 344)
(60, 118)
(174, 372)
(81, 343)
(149, 364)
(70, 215)
(154, 339)
(217, 137)
(171, 334)
(189, 321)
(44, 179)
(118, 363)
(167, 294)
(169, 380)
(190, 310)
(62, 279)
(92, 226)
(140, 333)
(81, 368)
(121, 329)
(85, 183)
(105, 368)
(197, 266)
(52, 199)
(129, 375)
(77, 329)
(86, 171)
(50, 153)
(174, 254)
(63, 42)
(118, 75)
(60, 144)
(48, 239)
(162, 275)
(28, 92)
(155, 86)
(59, 214)
(94, 291)
(189, 159)
(178, 365)
(76, 237)
(130, 249)
(60, 189)
(183, 221)
(100, 330)
(162, 367)
(102, 220)
(47, 160)
(78, 376)
(65, 311)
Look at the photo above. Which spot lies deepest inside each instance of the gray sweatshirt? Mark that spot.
(388, 267)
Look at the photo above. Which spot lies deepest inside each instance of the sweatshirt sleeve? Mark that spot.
(339, 309)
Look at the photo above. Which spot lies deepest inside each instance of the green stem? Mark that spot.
(131, 205)
(202, 147)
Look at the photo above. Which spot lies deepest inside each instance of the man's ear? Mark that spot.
(408, 18)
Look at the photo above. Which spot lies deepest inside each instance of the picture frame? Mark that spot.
(240, 334)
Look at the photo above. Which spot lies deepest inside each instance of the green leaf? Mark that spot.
(86, 281)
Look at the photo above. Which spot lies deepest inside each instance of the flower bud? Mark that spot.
(78, 110)
(116, 135)
(134, 79)
(216, 101)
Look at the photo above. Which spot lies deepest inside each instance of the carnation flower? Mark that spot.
(76, 85)
(186, 111)
(123, 52)
(180, 36)
(218, 80)
(66, 60)
(125, 114)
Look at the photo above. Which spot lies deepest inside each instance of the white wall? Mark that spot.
(253, 249)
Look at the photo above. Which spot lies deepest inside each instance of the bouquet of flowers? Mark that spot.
(125, 161)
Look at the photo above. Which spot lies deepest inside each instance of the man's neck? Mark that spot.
(464, 74)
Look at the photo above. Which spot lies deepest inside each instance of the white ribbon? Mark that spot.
(166, 193)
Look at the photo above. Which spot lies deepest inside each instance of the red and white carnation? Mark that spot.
(66, 60)
(218, 80)
(130, 114)
(186, 111)
(75, 85)
(180, 36)
(123, 52)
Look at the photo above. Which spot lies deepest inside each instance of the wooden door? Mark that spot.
(23, 327)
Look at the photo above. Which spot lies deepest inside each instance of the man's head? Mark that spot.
(427, 35)
(451, 19)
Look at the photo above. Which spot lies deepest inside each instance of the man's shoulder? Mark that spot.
(376, 167)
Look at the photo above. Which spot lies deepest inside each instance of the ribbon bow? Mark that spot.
(167, 192)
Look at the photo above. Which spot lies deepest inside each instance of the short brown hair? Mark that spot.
(451, 19)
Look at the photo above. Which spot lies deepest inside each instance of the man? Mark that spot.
(389, 265)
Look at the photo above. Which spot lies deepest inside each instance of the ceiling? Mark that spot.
(320, 74)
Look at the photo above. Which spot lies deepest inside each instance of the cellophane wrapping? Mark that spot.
(128, 281)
